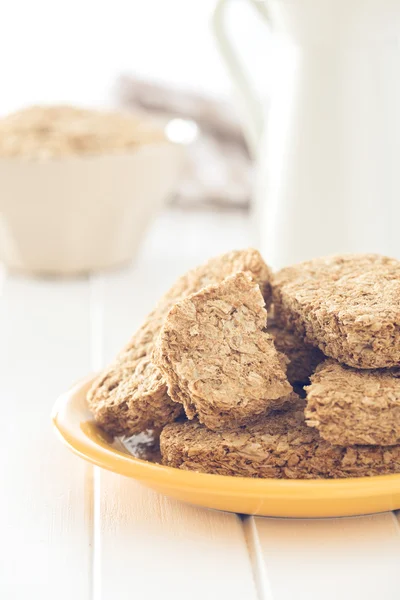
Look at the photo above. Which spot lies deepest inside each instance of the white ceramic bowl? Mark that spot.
(78, 214)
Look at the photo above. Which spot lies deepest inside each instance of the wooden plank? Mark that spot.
(45, 493)
(152, 546)
(156, 547)
(349, 558)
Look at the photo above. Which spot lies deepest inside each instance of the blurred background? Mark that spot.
(156, 59)
(75, 52)
(307, 139)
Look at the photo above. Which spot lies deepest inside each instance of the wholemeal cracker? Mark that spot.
(217, 359)
(131, 395)
(280, 445)
(303, 358)
(350, 406)
(348, 306)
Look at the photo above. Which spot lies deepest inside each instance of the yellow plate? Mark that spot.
(266, 497)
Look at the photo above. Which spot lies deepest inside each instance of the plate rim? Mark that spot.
(102, 455)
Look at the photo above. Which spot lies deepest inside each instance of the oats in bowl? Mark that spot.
(79, 187)
(40, 132)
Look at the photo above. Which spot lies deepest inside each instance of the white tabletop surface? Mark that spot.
(72, 531)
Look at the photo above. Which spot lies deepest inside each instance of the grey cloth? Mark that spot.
(219, 170)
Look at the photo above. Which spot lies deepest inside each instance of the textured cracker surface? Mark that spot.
(303, 358)
(350, 406)
(131, 395)
(217, 359)
(280, 446)
(348, 306)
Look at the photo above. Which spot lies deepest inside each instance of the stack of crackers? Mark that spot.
(249, 373)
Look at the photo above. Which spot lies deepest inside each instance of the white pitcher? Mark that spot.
(328, 142)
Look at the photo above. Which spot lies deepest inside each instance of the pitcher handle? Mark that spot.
(250, 103)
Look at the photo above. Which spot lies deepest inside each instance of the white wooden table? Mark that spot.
(71, 531)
